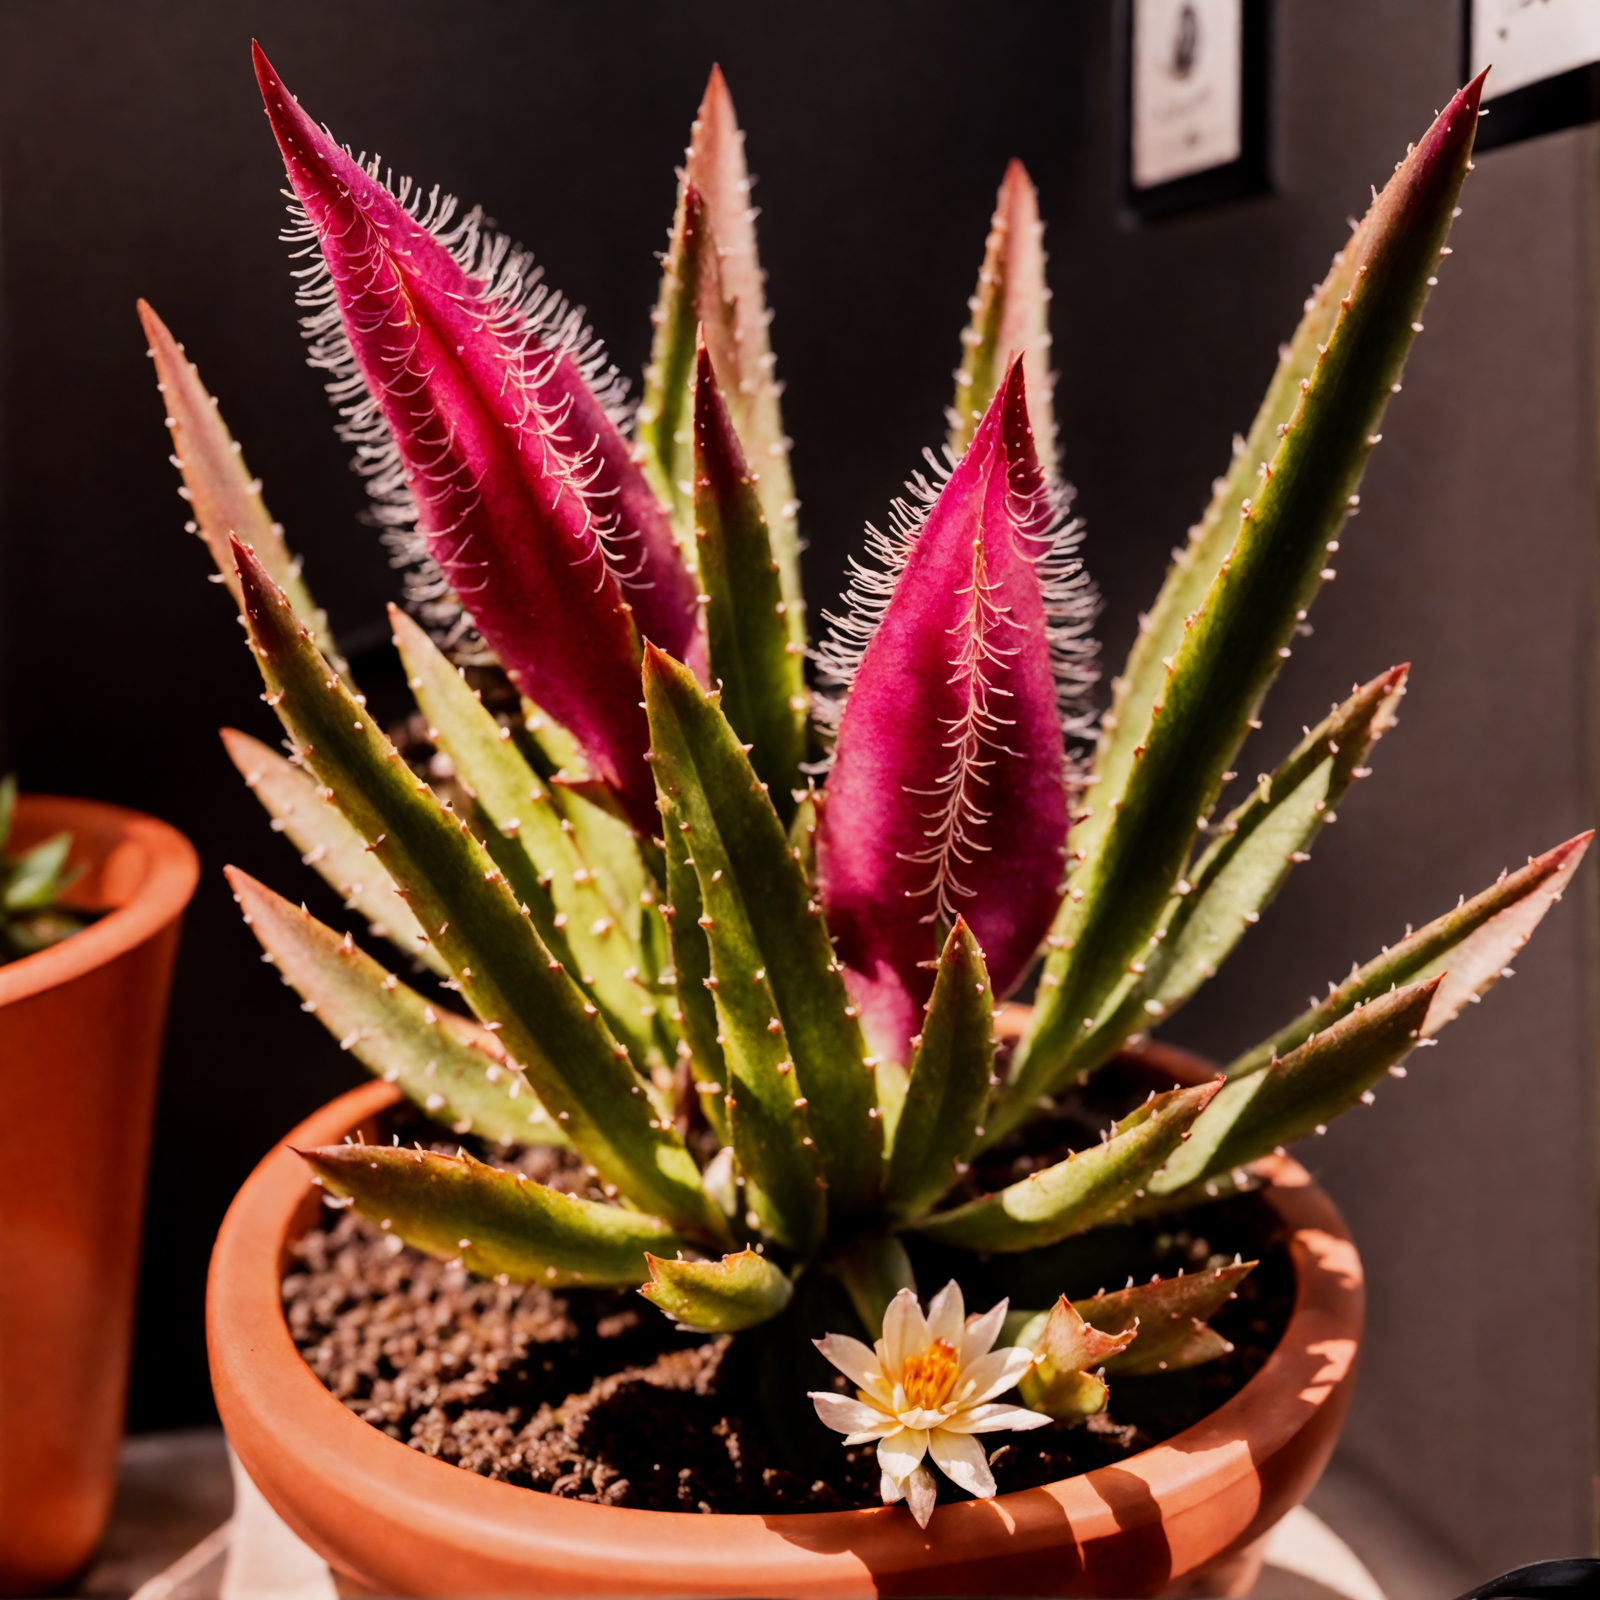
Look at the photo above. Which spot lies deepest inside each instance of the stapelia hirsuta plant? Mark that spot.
(32, 917)
(758, 1010)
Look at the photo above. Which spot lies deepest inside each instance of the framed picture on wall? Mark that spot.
(1546, 60)
(1194, 76)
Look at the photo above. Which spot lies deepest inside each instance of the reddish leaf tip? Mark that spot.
(1017, 180)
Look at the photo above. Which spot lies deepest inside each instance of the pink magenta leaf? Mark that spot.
(483, 424)
(948, 794)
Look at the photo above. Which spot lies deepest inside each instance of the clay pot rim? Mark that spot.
(171, 872)
(265, 1390)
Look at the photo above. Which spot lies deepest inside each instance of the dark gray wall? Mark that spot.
(135, 161)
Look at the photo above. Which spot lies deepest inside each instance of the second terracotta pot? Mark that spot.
(80, 1045)
(1185, 1517)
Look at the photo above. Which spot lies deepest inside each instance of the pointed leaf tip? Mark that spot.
(715, 168)
(1010, 319)
(748, 628)
(916, 829)
(493, 1220)
(1465, 952)
(522, 487)
(223, 497)
(1160, 771)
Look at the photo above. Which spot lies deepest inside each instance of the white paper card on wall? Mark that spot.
(1187, 61)
(1526, 40)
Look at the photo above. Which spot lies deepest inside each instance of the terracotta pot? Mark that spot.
(1186, 1517)
(80, 1046)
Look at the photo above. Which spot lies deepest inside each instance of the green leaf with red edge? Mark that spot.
(1088, 1188)
(499, 1224)
(1233, 645)
(1010, 318)
(314, 825)
(1062, 1382)
(1469, 948)
(691, 308)
(754, 659)
(450, 1066)
(1304, 1091)
(225, 499)
(1252, 852)
(504, 971)
(1167, 1316)
(523, 831)
(717, 172)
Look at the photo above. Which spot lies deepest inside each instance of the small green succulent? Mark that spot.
(31, 887)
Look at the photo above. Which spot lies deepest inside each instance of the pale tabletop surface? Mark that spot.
(180, 1531)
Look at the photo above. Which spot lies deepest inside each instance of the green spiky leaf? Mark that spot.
(1010, 318)
(1469, 947)
(1301, 1093)
(314, 825)
(691, 307)
(499, 1224)
(691, 962)
(449, 1065)
(524, 833)
(753, 656)
(1234, 643)
(1239, 874)
(725, 1296)
(775, 974)
(225, 499)
(941, 1119)
(1163, 1323)
(1086, 1189)
(505, 973)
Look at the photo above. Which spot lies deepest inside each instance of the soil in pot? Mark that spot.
(593, 1395)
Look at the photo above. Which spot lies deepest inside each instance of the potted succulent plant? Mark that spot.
(733, 1033)
(91, 897)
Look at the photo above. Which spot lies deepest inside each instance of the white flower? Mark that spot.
(925, 1389)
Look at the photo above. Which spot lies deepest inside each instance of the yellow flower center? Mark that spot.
(929, 1376)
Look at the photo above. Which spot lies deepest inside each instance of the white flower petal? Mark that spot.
(985, 1419)
(890, 1490)
(961, 1459)
(993, 1374)
(849, 1416)
(856, 1361)
(922, 1493)
(901, 1452)
(905, 1332)
(980, 1333)
(924, 1417)
(947, 1312)
(872, 1435)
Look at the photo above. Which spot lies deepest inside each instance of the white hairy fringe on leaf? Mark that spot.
(1071, 602)
(544, 323)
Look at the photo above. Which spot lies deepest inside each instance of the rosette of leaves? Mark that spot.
(32, 884)
(760, 1008)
